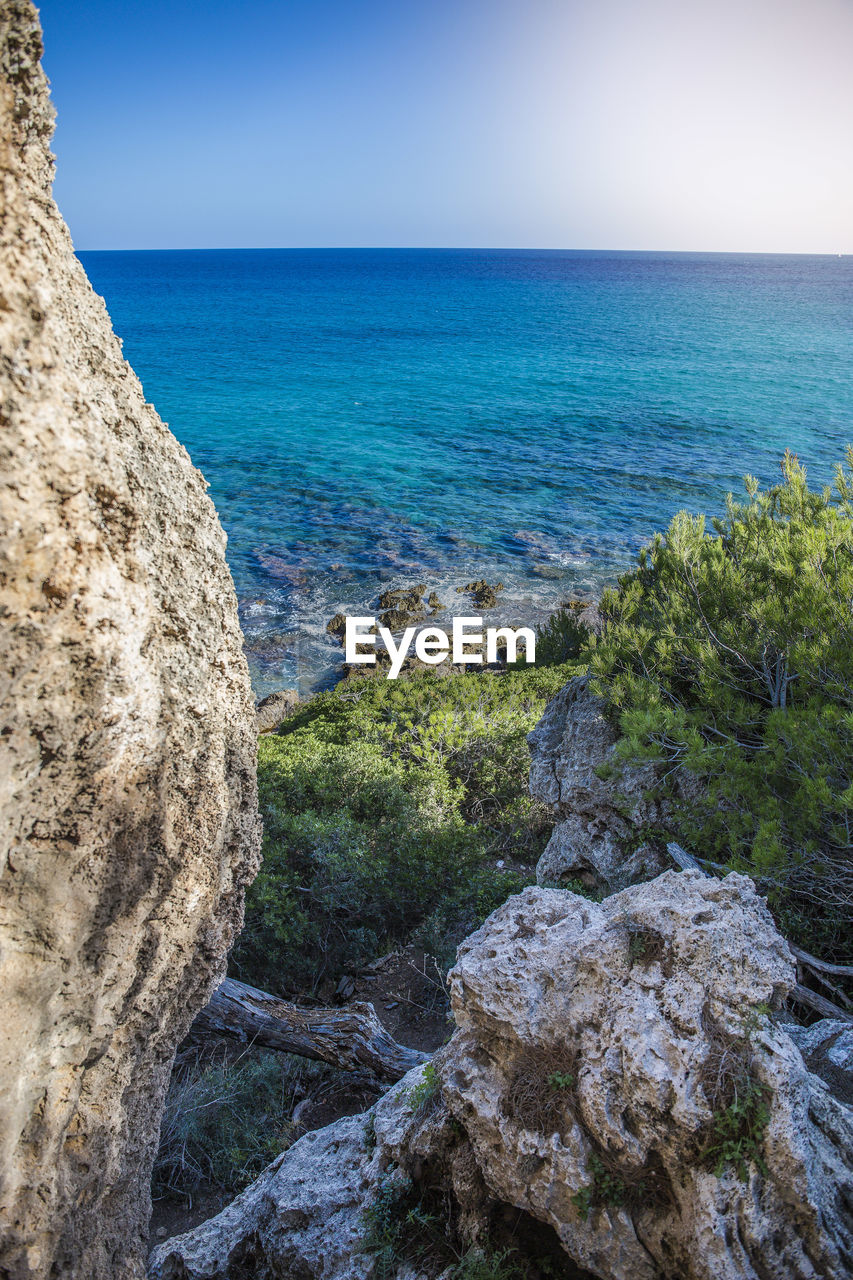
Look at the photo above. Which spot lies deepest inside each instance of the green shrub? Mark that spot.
(737, 1131)
(224, 1122)
(606, 1188)
(384, 804)
(480, 1264)
(728, 655)
(461, 913)
(738, 1098)
(423, 1094)
(562, 638)
(408, 1227)
(402, 1227)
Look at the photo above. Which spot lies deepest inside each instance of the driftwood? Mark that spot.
(682, 858)
(351, 1037)
(803, 995)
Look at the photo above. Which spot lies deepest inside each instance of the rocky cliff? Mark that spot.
(127, 743)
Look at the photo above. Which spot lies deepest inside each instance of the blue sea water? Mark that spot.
(372, 418)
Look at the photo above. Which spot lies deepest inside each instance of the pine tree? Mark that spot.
(729, 653)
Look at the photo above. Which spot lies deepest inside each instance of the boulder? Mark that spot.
(302, 1217)
(127, 738)
(602, 810)
(274, 708)
(483, 594)
(827, 1049)
(649, 1016)
(617, 1100)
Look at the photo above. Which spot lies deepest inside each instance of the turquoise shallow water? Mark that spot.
(378, 417)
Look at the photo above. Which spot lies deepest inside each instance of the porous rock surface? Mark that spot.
(302, 1217)
(598, 834)
(554, 986)
(127, 740)
(639, 993)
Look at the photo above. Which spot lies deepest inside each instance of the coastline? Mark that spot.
(307, 658)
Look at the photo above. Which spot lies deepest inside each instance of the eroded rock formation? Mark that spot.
(589, 1086)
(600, 818)
(127, 741)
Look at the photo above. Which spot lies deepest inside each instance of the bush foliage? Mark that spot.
(225, 1121)
(386, 805)
(728, 654)
(562, 638)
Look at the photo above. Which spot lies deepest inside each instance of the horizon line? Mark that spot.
(365, 248)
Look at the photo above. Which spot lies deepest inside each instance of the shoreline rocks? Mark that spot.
(272, 710)
(483, 594)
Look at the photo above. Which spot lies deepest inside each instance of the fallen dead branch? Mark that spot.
(351, 1037)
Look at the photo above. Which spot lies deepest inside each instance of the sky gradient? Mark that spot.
(662, 124)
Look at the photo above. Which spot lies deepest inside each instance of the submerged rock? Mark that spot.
(615, 1084)
(127, 738)
(403, 607)
(398, 619)
(406, 599)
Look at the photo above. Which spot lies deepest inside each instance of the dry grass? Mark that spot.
(541, 1092)
(644, 1187)
(726, 1067)
(738, 1100)
(647, 946)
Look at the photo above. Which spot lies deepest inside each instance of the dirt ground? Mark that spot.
(407, 991)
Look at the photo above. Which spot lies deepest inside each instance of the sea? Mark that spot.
(375, 418)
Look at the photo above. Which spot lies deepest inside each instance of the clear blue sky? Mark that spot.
(657, 124)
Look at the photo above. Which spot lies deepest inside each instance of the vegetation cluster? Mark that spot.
(412, 1227)
(727, 657)
(228, 1114)
(399, 811)
(387, 808)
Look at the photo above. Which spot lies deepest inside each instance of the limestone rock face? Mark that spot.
(594, 1049)
(599, 819)
(305, 1215)
(827, 1049)
(302, 1217)
(127, 740)
(651, 1002)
